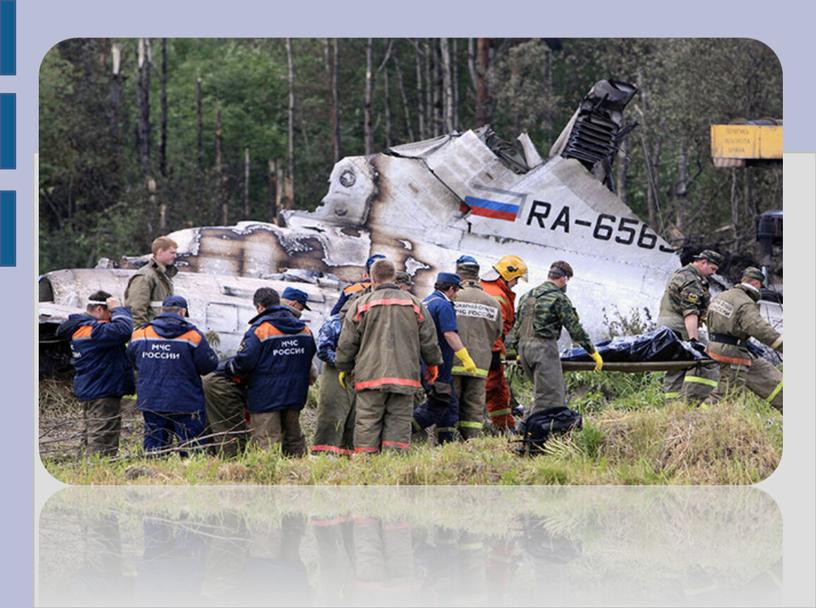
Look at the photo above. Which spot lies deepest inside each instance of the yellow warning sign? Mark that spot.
(746, 141)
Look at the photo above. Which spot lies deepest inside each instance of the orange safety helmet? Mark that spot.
(511, 267)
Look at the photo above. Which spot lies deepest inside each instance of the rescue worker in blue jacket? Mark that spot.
(170, 355)
(275, 358)
(103, 372)
(358, 287)
(442, 406)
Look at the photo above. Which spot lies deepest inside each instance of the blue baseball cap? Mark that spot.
(296, 295)
(449, 277)
(372, 259)
(467, 260)
(177, 302)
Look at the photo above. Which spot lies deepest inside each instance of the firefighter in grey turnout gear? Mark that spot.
(683, 309)
(733, 318)
(479, 318)
(542, 313)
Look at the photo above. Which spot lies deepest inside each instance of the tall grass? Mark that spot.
(629, 437)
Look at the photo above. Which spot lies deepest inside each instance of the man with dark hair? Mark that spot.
(275, 360)
(170, 355)
(358, 287)
(225, 394)
(542, 313)
(683, 309)
(153, 282)
(103, 373)
(479, 319)
(734, 318)
(442, 406)
(385, 334)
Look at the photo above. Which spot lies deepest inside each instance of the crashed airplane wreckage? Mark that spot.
(423, 205)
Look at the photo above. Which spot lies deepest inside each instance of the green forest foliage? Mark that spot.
(94, 198)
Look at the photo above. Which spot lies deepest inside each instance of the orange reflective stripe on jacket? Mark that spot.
(388, 302)
(83, 333)
(267, 331)
(192, 337)
(355, 287)
(383, 381)
(726, 359)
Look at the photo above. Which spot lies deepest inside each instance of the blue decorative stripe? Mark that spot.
(8, 135)
(8, 38)
(8, 228)
(484, 203)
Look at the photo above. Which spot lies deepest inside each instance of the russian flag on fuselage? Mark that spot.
(494, 209)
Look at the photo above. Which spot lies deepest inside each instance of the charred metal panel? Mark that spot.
(595, 132)
(217, 303)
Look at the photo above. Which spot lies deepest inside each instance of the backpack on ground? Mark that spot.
(542, 425)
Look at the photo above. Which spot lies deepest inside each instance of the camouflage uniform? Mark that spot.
(687, 294)
(225, 405)
(479, 319)
(146, 290)
(733, 317)
(542, 313)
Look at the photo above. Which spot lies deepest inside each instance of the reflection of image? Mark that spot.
(406, 546)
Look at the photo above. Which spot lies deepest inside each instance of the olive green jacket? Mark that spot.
(385, 334)
(686, 294)
(147, 289)
(734, 316)
(542, 312)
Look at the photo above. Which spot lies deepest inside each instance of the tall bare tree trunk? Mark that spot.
(423, 133)
(429, 89)
(291, 151)
(447, 83)
(437, 90)
(272, 182)
(199, 127)
(455, 62)
(482, 90)
(163, 102)
(280, 182)
(387, 108)
(143, 93)
(471, 62)
(681, 187)
(220, 177)
(116, 92)
(622, 169)
(163, 137)
(334, 101)
(406, 114)
(368, 134)
(735, 215)
(652, 159)
(247, 211)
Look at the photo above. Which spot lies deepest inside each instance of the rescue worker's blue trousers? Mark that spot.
(444, 415)
(160, 429)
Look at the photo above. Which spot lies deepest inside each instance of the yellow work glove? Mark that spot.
(467, 361)
(341, 377)
(596, 357)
